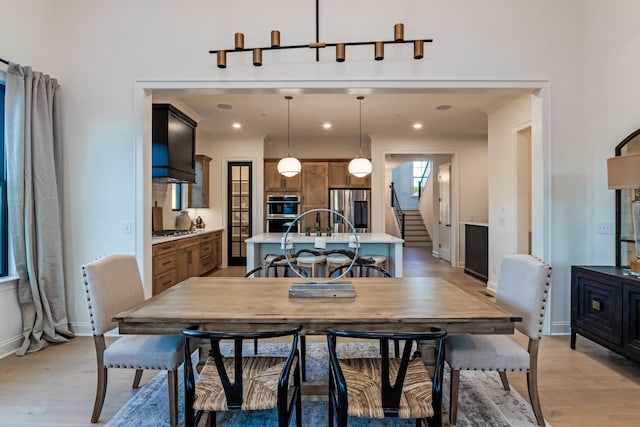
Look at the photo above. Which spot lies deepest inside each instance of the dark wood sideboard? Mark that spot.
(476, 251)
(605, 308)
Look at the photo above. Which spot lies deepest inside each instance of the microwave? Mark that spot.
(286, 206)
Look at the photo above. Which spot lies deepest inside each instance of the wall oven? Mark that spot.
(281, 211)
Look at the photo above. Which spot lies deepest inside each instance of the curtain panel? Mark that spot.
(34, 178)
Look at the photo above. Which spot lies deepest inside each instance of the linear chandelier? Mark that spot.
(398, 38)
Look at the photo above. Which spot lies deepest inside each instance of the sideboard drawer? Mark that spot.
(597, 306)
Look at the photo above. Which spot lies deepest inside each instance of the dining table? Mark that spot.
(235, 304)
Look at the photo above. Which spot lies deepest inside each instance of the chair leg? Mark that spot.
(211, 419)
(505, 380)
(532, 381)
(453, 396)
(396, 347)
(255, 346)
(101, 391)
(172, 383)
(303, 357)
(136, 378)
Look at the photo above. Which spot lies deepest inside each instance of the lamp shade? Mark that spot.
(289, 166)
(623, 172)
(360, 167)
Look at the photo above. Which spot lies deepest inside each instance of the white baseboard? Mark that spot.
(561, 328)
(9, 346)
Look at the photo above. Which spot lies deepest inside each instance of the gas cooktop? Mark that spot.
(164, 233)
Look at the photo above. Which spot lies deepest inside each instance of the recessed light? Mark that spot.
(326, 125)
(224, 106)
(417, 125)
(443, 107)
(236, 125)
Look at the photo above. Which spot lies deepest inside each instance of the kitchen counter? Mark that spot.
(370, 244)
(196, 232)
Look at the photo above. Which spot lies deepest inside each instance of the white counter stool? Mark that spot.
(312, 262)
(380, 261)
(336, 260)
(281, 264)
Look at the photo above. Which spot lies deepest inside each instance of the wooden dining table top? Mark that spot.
(235, 304)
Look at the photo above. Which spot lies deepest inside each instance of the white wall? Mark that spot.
(104, 52)
(503, 196)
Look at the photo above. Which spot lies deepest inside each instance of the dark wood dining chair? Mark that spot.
(386, 387)
(239, 382)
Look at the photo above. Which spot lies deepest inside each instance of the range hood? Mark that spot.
(173, 137)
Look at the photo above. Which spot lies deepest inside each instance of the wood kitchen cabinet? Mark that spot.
(165, 266)
(605, 307)
(210, 251)
(177, 260)
(339, 176)
(188, 258)
(198, 194)
(315, 192)
(273, 181)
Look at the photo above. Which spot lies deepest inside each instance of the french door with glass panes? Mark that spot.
(239, 209)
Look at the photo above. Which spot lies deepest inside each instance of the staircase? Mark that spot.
(415, 233)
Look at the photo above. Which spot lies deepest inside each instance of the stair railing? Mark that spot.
(426, 174)
(397, 210)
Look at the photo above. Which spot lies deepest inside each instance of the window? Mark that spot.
(4, 247)
(176, 196)
(418, 171)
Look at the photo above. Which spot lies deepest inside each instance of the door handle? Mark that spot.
(447, 225)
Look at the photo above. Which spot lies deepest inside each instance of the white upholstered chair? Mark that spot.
(523, 285)
(113, 284)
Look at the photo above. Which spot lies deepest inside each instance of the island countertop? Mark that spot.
(370, 244)
(364, 238)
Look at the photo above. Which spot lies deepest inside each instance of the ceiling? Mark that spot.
(263, 113)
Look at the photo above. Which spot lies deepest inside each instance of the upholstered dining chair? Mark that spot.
(239, 382)
(112, 284)
(386, 387)
(523, 286)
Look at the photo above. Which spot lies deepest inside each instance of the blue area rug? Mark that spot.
(482, 401)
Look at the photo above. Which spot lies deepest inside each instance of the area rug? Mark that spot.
(482, 400)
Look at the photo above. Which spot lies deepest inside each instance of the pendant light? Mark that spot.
(360, 166)
(289, 166)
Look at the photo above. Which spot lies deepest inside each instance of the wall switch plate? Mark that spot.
(605, 228)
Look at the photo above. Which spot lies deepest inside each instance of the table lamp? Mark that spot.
(624, 172)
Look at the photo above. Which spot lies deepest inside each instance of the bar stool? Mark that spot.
(281, 262)
(380, 261)
(336, 260)
(311, 262)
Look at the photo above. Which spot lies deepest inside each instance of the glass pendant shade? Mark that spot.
(360, 167)
(289, 166)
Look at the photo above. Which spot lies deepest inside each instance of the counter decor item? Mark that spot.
(183, 222)
(199, 223)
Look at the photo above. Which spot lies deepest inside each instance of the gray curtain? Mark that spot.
(32, 148)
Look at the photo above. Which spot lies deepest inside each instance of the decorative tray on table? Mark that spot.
(322, 290)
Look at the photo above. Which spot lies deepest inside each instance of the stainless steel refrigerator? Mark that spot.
(355, 205)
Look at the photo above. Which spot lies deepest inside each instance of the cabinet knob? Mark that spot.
(596, 305)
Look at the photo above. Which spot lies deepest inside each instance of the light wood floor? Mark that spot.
(586, 387)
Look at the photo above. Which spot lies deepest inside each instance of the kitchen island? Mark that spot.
(370, 244)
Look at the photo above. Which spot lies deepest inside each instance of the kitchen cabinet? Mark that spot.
(198, 193)
(176, 260)
(339, 176)
(273, 181)
(210, 251)
(315, 192)
(188, 258)
(605, 307)
(165, 263)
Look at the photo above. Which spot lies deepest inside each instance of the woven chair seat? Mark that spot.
(363, 388)
(260, 384)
